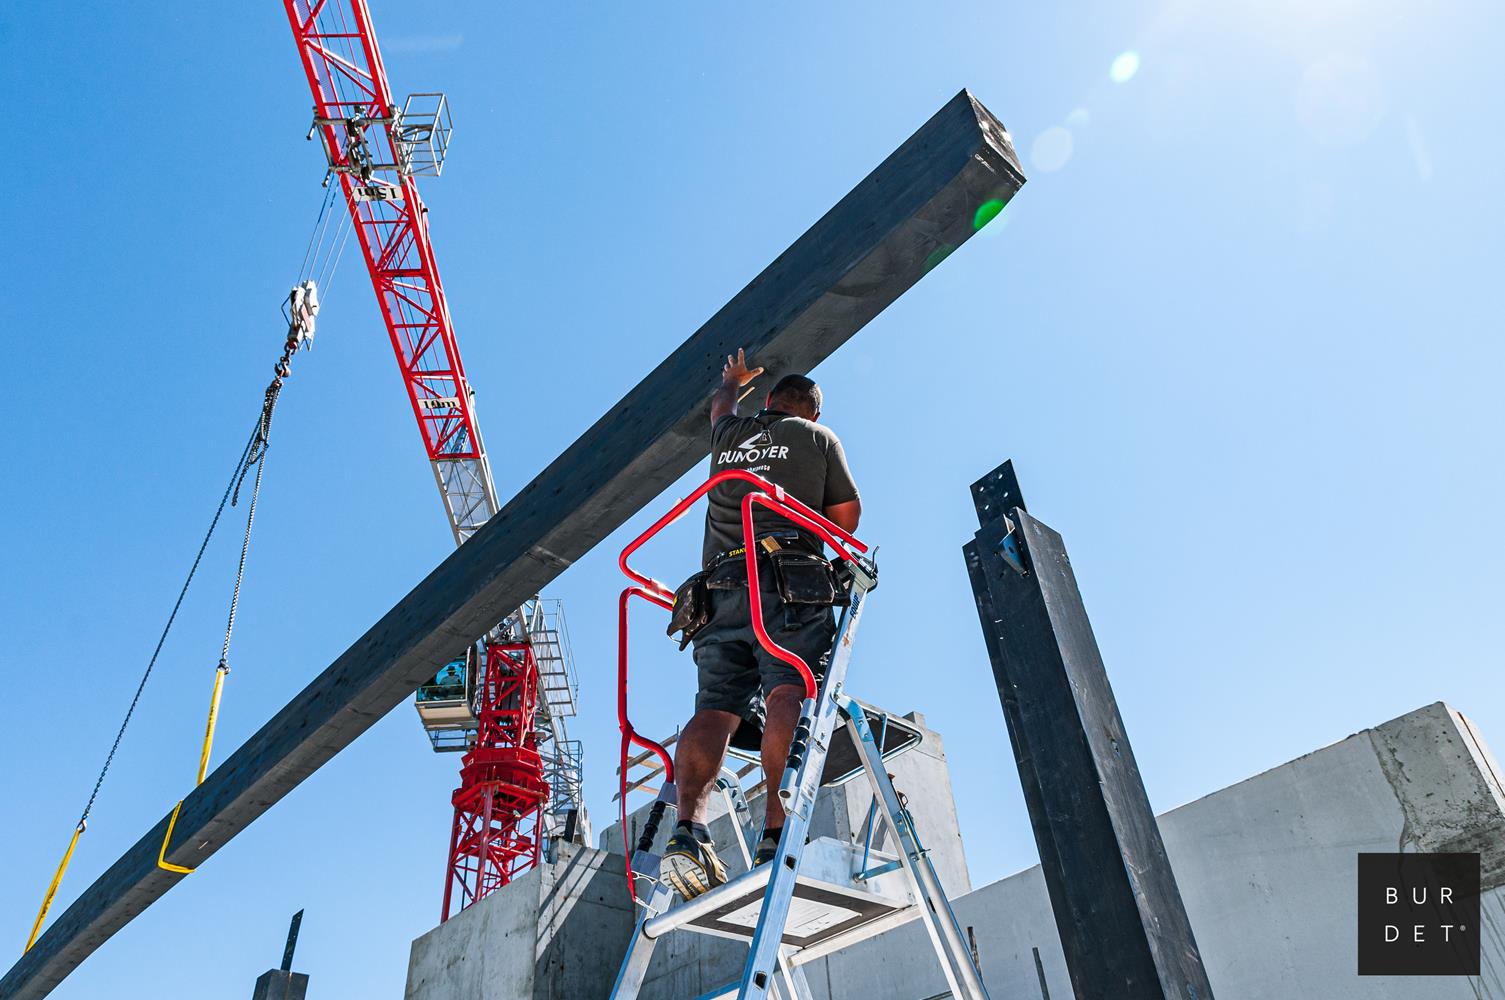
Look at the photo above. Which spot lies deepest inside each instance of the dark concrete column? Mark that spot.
(279, 984)
(1122, 924)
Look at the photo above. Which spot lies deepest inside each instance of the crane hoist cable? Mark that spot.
(320, 261)
(303, 307)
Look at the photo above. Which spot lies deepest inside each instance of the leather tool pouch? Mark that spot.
(806, 578)
(692, 610)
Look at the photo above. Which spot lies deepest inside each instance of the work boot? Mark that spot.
(690, 866)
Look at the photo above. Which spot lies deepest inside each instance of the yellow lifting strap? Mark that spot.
(162, 861)
(253, 455)
(219, 687)
(172, 822)
(57, 880)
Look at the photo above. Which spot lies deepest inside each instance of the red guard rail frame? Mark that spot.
(768, 495)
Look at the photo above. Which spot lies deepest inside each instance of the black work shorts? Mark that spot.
(736, 672)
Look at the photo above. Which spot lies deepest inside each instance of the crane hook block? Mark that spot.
(303, 307)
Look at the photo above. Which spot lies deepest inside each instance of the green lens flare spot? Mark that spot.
(986, 213)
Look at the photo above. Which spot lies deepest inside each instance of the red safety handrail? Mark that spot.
(829, 531)
(769, 495)
(754, 600)
(629, 734)
(623, 723)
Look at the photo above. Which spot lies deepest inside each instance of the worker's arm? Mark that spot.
(845, 515)
(840, 486)
(734, 376)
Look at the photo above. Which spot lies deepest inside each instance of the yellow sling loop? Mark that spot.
(57, 880)
(219, 686)
(162, 862)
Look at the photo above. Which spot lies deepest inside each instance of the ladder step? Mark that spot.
(828, 901)
(738, 888)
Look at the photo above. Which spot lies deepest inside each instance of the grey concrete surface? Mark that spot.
(1267, 868)
(920, 774)
(1447, 784)
(557, 933)
(686, 965)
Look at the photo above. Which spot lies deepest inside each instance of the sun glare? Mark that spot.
(1124, 67)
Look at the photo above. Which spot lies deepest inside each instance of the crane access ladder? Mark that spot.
(813, 899)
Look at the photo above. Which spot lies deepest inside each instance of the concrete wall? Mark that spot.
(686, 965)
(557, 933)
(921, 774)
(1268, 871)
(1267, 868)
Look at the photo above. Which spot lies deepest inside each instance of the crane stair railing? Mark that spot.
(551, 651)
(813, 899)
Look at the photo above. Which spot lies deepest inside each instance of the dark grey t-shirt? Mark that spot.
(800, 455)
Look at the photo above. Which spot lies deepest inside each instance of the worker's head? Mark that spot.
(796, 394)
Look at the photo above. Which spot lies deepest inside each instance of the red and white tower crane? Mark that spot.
(504, 704)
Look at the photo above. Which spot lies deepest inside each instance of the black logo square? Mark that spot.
(1418, 914)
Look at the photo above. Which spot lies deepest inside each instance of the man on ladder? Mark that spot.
(742, 688)
(760, 616)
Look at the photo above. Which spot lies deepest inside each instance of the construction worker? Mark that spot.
(742, 687)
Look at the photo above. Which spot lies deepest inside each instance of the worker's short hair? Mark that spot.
(796, 390)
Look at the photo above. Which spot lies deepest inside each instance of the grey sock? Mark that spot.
(699, 831)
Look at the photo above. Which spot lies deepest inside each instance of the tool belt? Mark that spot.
(799, 576)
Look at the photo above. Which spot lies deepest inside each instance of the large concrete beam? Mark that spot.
(907, 215)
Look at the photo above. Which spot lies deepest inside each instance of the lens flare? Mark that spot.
(1052, 149)
(1124, 67)
(986, 213)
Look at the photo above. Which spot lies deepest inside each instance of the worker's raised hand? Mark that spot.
(736, 371)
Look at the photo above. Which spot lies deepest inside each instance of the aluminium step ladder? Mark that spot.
(813, 899)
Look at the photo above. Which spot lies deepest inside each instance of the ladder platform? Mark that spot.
(828, 901)
(893, 733)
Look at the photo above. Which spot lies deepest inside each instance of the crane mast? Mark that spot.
(504, 705)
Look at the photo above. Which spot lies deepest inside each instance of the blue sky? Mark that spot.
(1235, 332)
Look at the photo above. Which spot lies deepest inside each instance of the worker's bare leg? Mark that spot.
(698, 756)
(783, 708)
